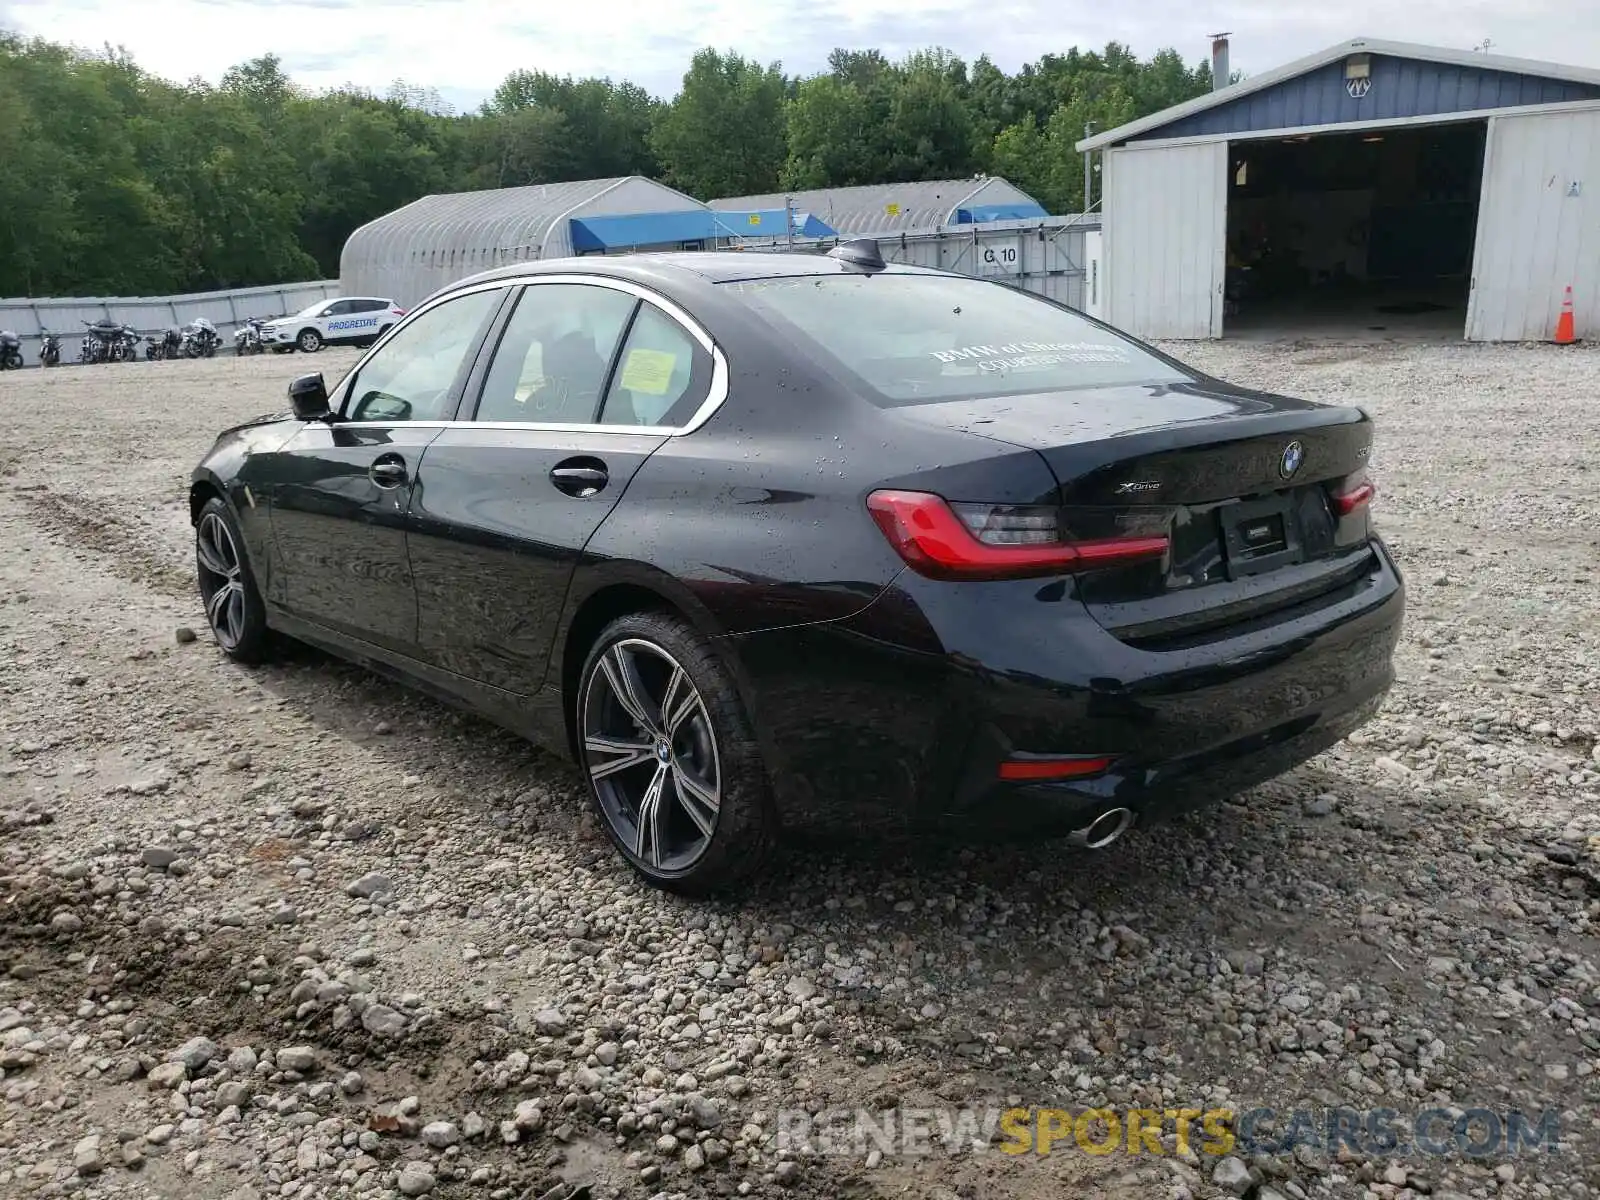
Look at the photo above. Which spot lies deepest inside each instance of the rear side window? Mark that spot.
(662, 377)
(921, 339)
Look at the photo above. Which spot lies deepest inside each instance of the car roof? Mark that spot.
(712, 266)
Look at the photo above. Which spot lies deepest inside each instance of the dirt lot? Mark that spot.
(297, 932)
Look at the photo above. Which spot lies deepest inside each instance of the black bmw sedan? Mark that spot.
(761, 539)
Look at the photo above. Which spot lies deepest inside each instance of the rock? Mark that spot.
(242, 1060)
(606, 1053)
(234, 1093)
(284, 914)
(415, 1180)
(87, 1157)
(183, 635)
(528, 1116)
(66, 922)
(296, 1058)
(586, 1079)
(351, 1082)
(473, 1126)
(159, 857)
(195, 1053)
(1322, 806)
(1246, 962)
(550, 1021)
(787, 1174)
(1296, 1002)
(383, 1020)
(694, 1159)
(167, 1076)
(160, 1135)
(1556, 1072)
(440, 1134)
(1231, 1175)
(240, 761)
(370, 885)
(705, 1112)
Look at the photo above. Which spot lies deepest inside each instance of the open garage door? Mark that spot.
(1166, 239)
(1537, 225)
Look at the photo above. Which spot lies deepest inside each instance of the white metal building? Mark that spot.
(1375, 184)
(409, 253)
(900, 207)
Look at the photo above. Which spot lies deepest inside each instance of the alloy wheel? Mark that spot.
(221, 580)
(651, 753)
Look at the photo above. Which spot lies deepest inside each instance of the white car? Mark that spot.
(349, 320)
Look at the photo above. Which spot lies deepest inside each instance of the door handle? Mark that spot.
(389, 471)
(581, 477)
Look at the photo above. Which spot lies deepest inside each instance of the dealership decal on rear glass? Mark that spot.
(1016, 355)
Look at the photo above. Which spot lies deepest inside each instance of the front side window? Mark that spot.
(921, 339)
(553, 359)
(411, 376)
(662, 376)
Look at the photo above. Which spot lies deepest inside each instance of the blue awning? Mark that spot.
(644, 229)
(768, 222)
(979, 213)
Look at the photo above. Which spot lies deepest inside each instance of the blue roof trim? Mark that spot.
(978, 214)
(1399, 88)
(768, 222)
(644, 229)
(693, 225)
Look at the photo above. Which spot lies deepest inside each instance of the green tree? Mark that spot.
(724, 133)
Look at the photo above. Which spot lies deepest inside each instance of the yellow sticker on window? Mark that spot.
(648, 371)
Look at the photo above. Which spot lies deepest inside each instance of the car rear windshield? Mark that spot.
(921, 339)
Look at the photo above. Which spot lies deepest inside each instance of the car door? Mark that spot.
(342, 488)
(585, 382)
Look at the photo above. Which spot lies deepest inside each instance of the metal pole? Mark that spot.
(788, 220)
(1088, 174)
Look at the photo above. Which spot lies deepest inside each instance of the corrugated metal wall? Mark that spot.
(1401, 87)
(1538, 227)
(1045, 256)
(1166, 239)
(148, 314)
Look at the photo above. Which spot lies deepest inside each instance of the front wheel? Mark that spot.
(672, 765)
(234, 609)
(309, 341)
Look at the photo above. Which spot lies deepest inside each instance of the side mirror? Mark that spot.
(308, 396)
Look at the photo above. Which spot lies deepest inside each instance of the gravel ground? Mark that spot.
(298, 932)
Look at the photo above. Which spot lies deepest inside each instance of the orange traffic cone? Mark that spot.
(1565, 335)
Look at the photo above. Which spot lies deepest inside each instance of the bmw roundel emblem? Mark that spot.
(1293, 455)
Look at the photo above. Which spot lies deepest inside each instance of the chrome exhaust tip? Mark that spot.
(1103, 830)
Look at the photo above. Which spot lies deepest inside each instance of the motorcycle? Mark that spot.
(103, 343)
(49, 350)
(155, 347)
(10, 351)
(247, 338)
(200, 339)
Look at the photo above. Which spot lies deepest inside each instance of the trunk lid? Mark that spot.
(1241, 482)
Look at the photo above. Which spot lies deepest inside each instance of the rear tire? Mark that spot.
(682, 789)
(233, 604)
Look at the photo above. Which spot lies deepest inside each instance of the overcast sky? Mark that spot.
(465, 47)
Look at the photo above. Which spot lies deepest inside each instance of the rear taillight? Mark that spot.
(1035, 770)
(986, 541)
(1355, 492)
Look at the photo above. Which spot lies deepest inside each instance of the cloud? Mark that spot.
(464, 48)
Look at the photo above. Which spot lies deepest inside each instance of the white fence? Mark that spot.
(150, 314)
(1048, 255)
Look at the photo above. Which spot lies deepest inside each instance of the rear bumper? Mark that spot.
(910, 707)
